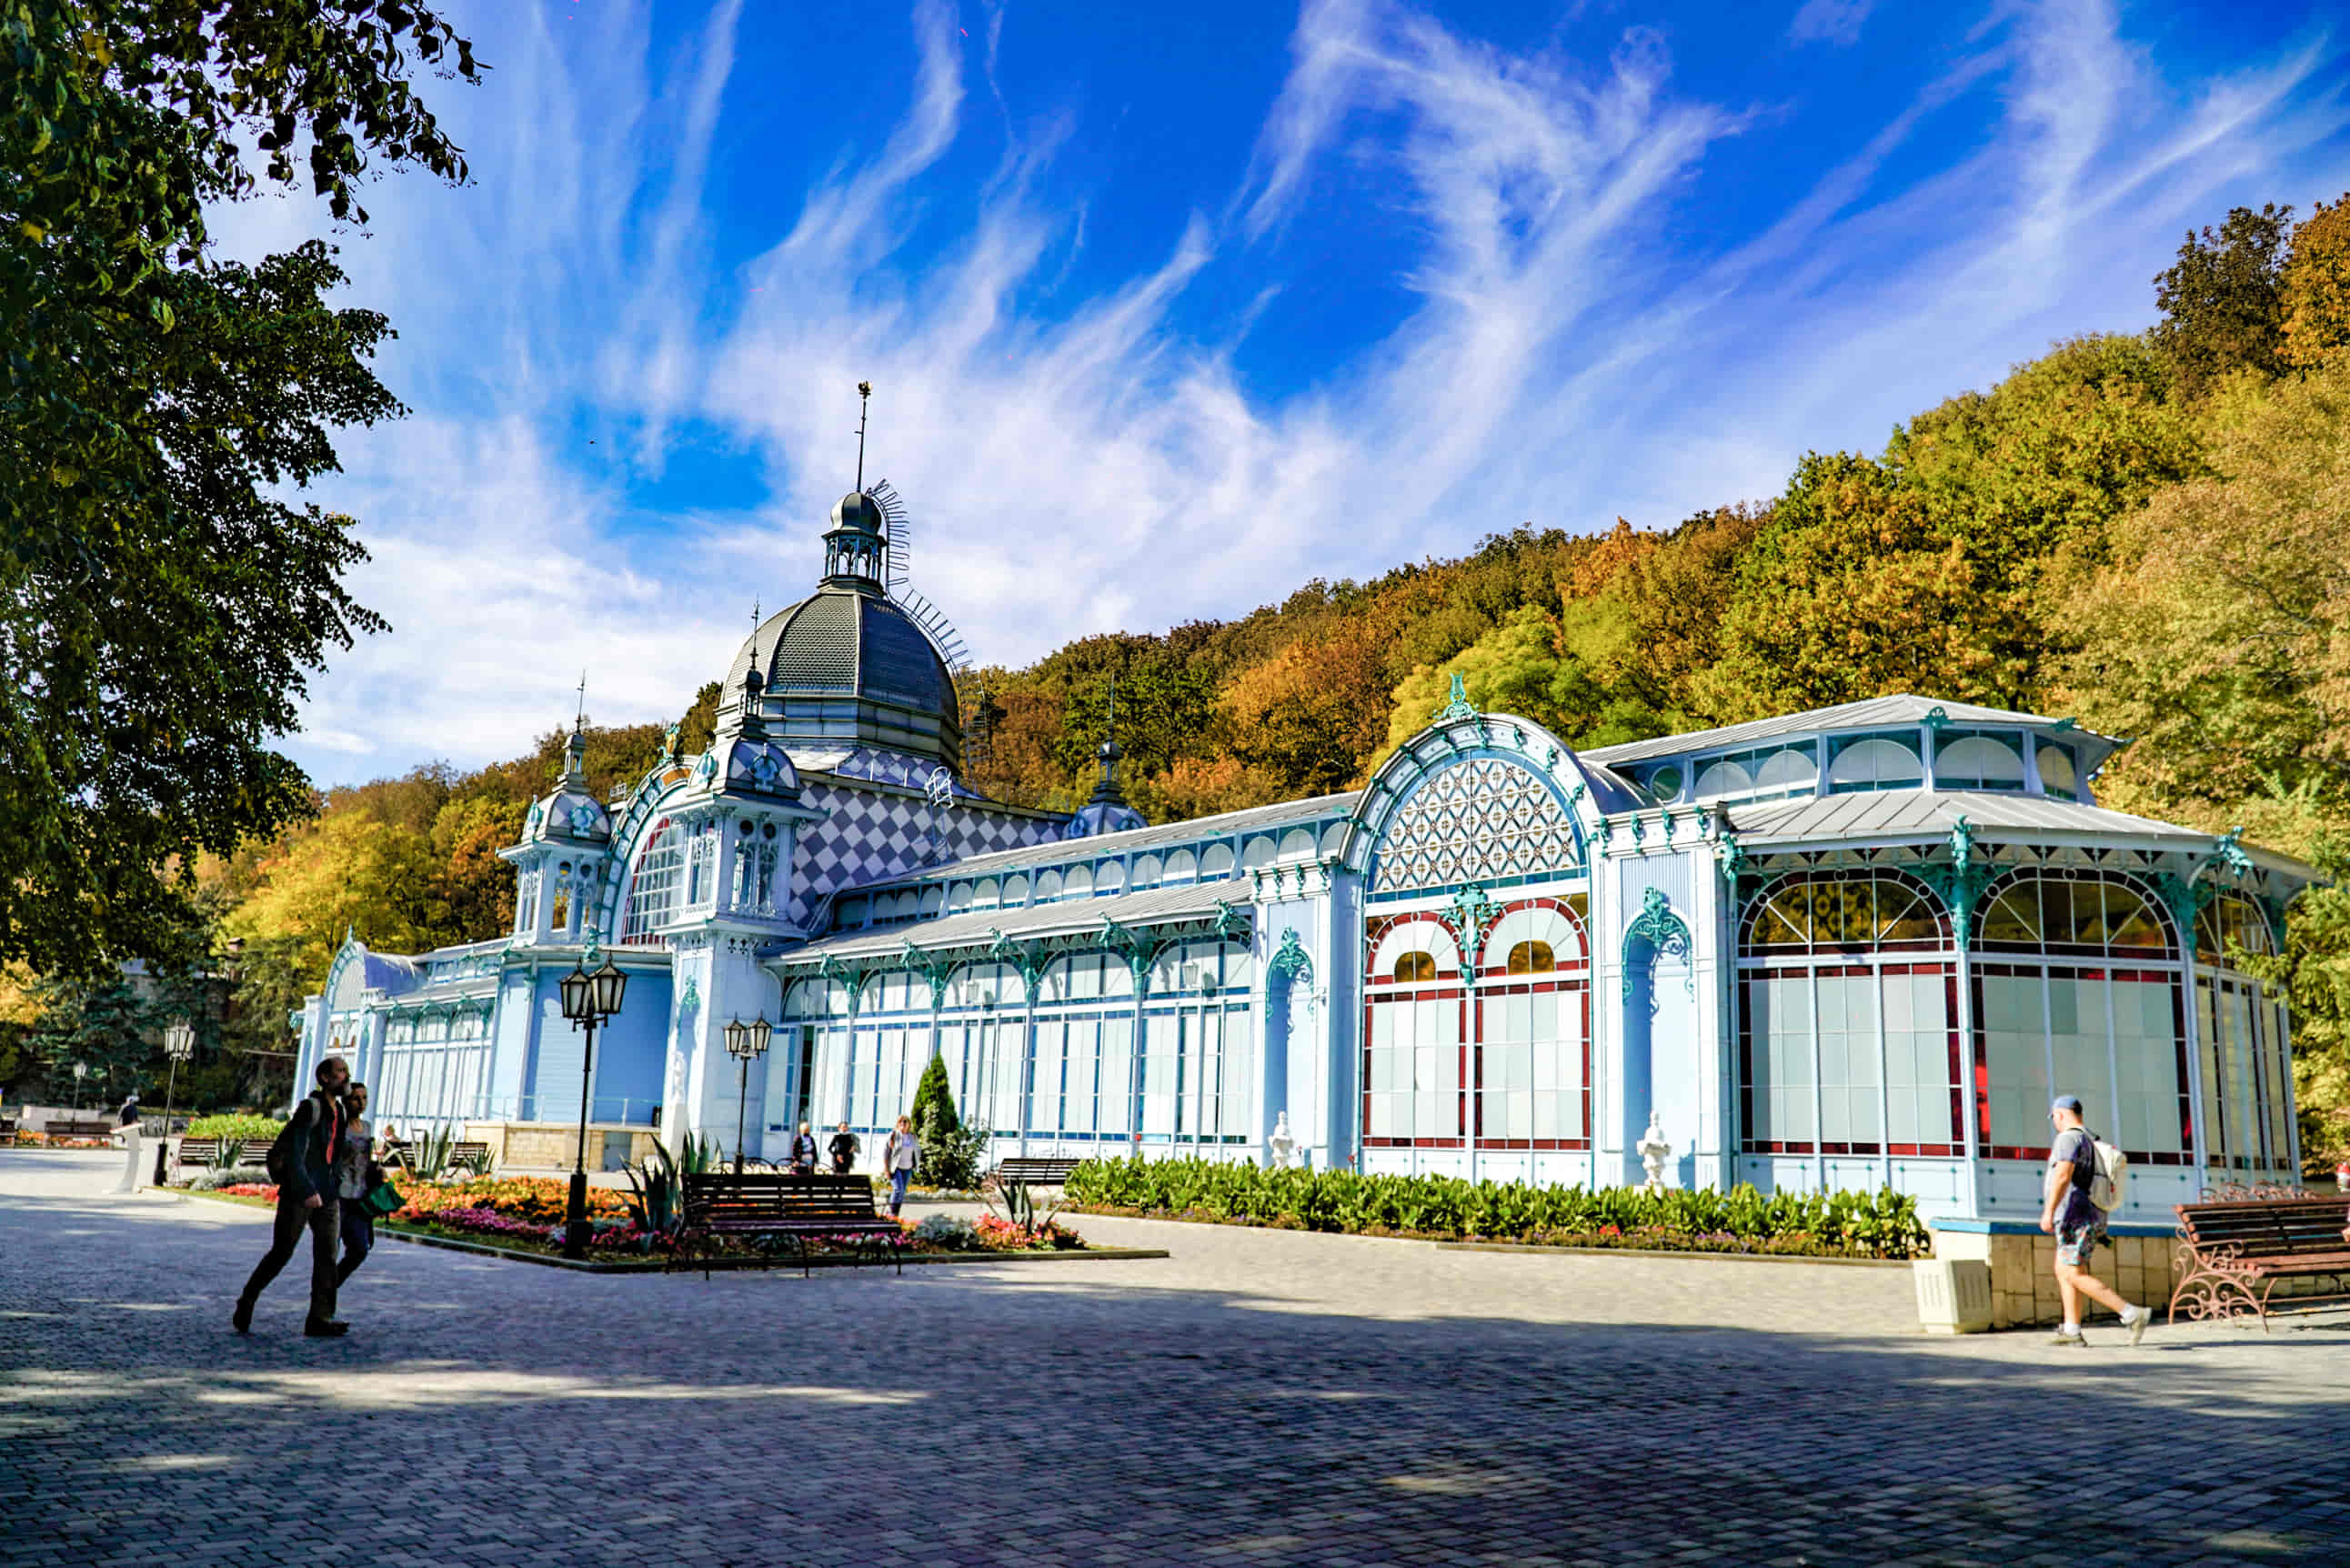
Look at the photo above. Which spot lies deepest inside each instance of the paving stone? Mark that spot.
(1261, 1397)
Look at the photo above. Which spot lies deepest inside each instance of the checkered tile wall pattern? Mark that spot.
(868, 833)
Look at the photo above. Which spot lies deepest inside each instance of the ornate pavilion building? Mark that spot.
(1841, 948)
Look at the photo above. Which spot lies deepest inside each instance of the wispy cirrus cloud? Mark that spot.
(1569, 340)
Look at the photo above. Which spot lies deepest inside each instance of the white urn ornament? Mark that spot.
(1281, 1145)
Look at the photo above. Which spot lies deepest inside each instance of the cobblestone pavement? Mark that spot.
(1260, 1398)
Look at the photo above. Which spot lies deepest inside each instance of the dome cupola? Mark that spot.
(857, 545)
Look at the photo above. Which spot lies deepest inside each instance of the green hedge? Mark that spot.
(240, 1126)
(1876, 1225)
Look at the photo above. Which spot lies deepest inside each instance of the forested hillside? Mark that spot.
(2150, 533)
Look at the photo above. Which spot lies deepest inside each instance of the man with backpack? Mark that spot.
(302, 1162)
(2085, 1176)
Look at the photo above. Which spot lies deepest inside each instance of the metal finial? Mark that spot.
(864, 396)
(755, 615)
(580, 722)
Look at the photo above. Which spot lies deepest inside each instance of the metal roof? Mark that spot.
(1877, 712)
(837, 641)
(1069, 851)
(1872, 813)
(1069, 917)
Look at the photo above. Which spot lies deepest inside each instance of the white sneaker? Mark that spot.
(2060, 1338)
(2135, 1321)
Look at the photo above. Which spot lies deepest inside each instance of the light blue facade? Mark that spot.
(1852, 947)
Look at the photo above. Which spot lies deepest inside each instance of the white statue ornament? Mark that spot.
(1281, 1145)
(1654, 1153)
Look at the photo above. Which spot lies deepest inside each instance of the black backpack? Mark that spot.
(286, 1148)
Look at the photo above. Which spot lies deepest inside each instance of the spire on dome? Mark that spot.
(1106, 811)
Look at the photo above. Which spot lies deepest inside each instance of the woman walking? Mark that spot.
(357, 1174)
(804, 1151)
(126, 1128)
(898, 1158)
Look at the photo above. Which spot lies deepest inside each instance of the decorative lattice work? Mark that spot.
(1479, 821)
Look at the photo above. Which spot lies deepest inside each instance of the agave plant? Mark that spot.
(657, 1202)
(429, 1155)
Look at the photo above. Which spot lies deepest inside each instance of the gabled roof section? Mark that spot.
(1066, 852)
(1875, 712)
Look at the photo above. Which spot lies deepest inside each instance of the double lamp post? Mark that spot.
(746, 1042)
(589, 998)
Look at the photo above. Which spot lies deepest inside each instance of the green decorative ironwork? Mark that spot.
(1229, 921)
(1457, 706)
(1961, 883)
(2228, 853)
(1291, 957)
(1936, 719)
(594, 953)
(1667, 934)
(1732, 857)
(1472, 916)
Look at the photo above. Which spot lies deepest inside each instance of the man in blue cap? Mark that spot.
(2079, 1225)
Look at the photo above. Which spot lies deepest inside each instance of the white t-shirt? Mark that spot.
(904, 1148)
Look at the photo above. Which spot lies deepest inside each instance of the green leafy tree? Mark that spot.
(162, 601)
(2316, 288)
(2221, 301)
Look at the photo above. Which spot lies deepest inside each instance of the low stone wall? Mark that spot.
(546, 1145)
(2144, 1268)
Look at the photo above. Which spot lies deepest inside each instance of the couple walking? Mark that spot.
(323, 1162)
(899, 1156)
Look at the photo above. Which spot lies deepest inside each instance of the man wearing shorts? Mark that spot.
(2079, 1225)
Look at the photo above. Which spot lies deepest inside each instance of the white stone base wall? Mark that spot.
(2144, 1268)
(540, 1146)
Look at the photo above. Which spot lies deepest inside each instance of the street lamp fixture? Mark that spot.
(589, 998)
(179, 1044)
(82, 1071)
(746, 1042)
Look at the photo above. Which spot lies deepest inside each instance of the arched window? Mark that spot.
(1853, 912)
(1842, 1057)
(1723, 778)
(1531, 958)
(2230, 924)
(1413, 967)
(1874, 765)
(653, 895)
(2084, 912)
(1979, 763)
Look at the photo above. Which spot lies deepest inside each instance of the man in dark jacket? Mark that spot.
(843, 1150)
(303, 1160)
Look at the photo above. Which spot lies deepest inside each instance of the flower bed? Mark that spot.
(529, 1213)
(1843, 1224)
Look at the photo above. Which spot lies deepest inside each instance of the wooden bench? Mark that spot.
(205, 1152)
(75, 1127)
(477, 1154)
(2239, 1248)
(1026, 1172)
(798, 1208)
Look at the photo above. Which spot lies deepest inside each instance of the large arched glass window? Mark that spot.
(652, 897)
(2229, 925)
(1848, 1019)
(2077, 993)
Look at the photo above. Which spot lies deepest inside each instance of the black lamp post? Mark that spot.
(589, 997)
(746, 1042)
(179, 1044)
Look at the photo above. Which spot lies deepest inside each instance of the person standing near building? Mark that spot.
(843, 1150)
(126, 1128)
(2078, 1224)
(898, 1157)
(302, 1161)
(357, 1176)
(803, 1150)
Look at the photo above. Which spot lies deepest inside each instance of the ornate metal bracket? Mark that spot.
(1961, 883)
(1471, 917)
(1456, 705)
(1290, 958)
(1668, 936)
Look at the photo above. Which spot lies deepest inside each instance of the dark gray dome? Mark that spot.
(844, 664)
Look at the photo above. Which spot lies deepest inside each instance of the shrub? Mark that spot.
(947, 1233)
(237, 1126)
(1882, 1224)
(952, 1155)
(934, 1101)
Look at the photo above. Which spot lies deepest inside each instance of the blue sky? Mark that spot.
(1170, 308)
